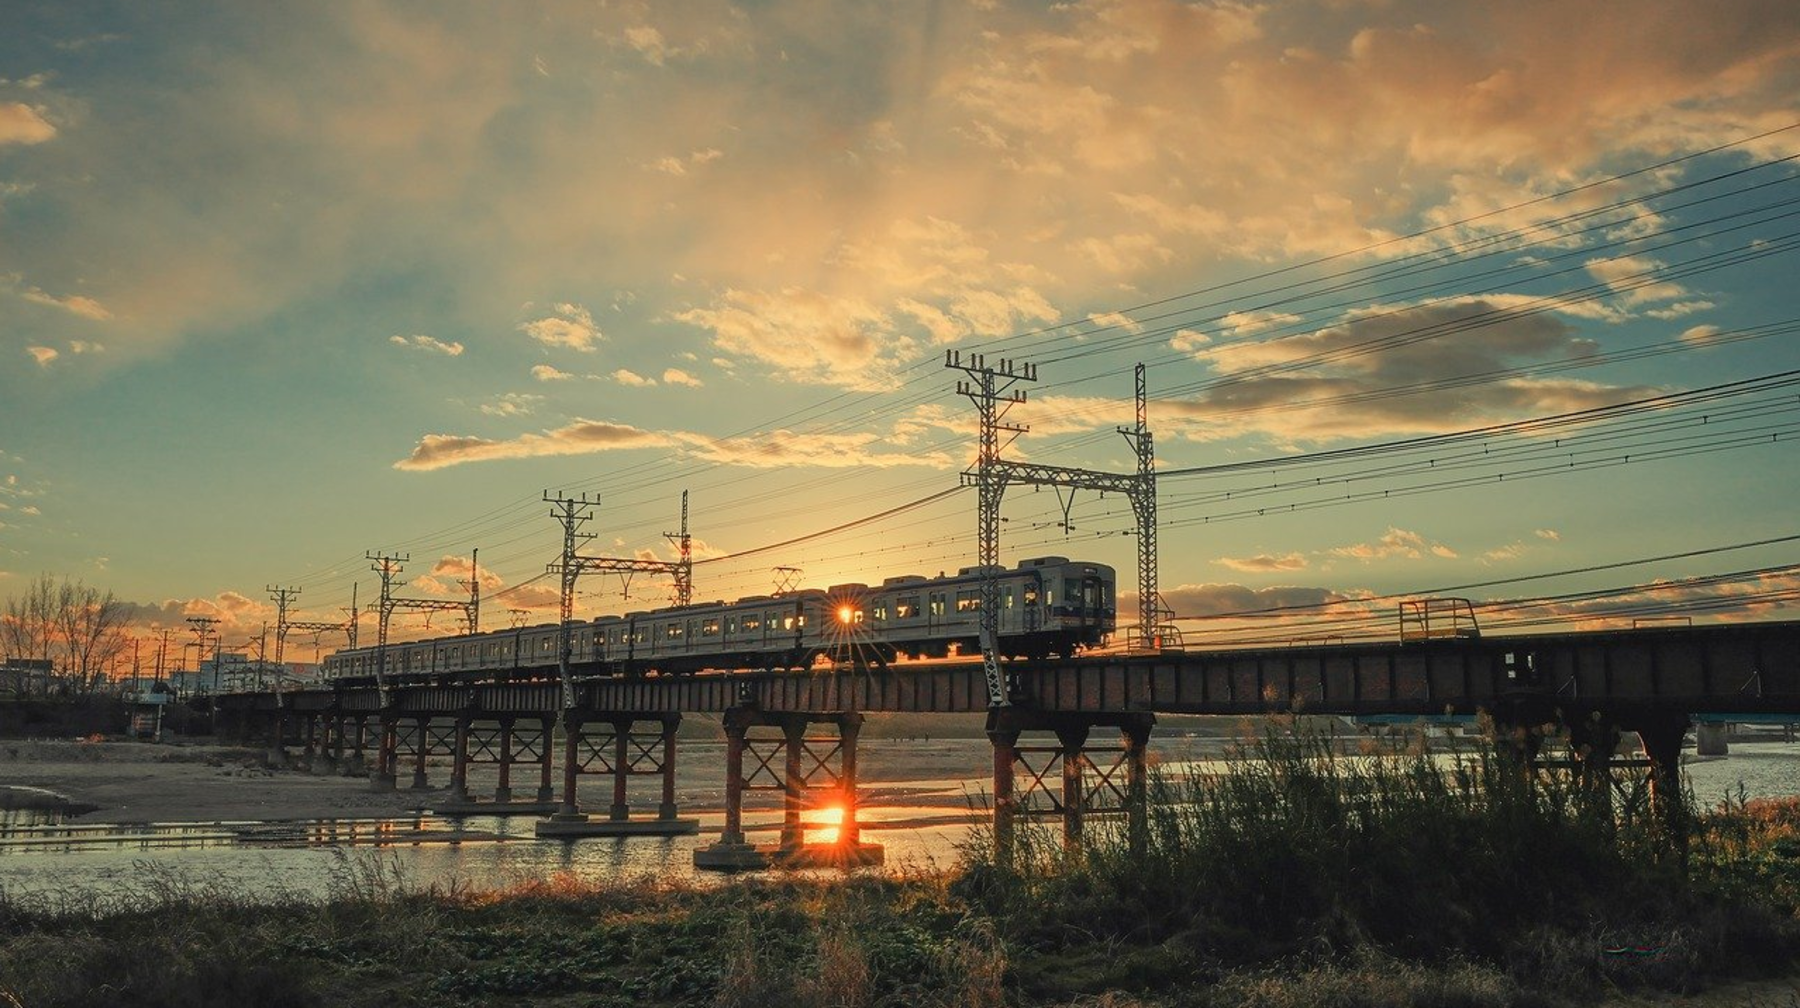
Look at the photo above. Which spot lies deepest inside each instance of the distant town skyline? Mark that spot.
(283, 285)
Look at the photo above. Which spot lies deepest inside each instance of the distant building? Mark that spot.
(25, 675)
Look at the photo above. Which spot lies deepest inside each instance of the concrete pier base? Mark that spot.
(1710, 739)
(731, 857)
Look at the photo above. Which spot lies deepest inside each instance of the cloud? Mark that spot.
(1394, 543)
(511, 404)
(1264, 562)
(1219, 599)
(546, 373)
(676, 376)
(681, 166)
(571, 326)
(1550, 534)
(765, 450)
(74, 304)
(1392, 370)
(42, 354)
(438, 451)
(22, 124)
(817, 337)
(631, 379)
(427, 343)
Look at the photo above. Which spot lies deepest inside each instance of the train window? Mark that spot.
(1072, 591)
(967, 601)
(673, 630)
(1007, 599)
(641, 637)
(731, 624)
(1049, 596)
(906, 607)
(1031, 596)
(752, 622)
(709, 628)
(879, 612)
(787, 623)
(937, 603)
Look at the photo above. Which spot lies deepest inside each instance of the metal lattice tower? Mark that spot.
(992, 475)
(473, 587)
(684, 567)
(988, 388)
(281, 597)
(572, 512)
(387, 566)
(203, 628)
(1153, 628)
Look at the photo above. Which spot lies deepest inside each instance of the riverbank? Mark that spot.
(1295, 877)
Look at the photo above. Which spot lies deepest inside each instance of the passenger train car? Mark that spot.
(1048, 605)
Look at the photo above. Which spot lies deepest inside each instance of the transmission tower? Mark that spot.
(473, 587)
(281, 597)
(387, 566)
(572, 512)
(203, 627)
(684, 567)
(989, 389)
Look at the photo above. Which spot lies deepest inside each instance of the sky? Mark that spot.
(281, 285)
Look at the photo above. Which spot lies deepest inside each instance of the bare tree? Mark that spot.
(29, 627)
(92, 625)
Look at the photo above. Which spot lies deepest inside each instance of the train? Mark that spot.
(1047, 606)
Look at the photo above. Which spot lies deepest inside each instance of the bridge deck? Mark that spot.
(1746, 667)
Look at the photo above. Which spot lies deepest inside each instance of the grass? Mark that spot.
(1297, 876)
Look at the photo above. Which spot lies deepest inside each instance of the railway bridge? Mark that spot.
(1052, 754)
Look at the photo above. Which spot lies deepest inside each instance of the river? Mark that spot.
(75, 864)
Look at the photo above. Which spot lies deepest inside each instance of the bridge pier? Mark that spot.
(459, 761)
(619, 751)
(807, 764)
(503, 790)
(358, 762)
(421, 748)
(1593, 739)
(1662, 733)
(1711, 738)
(546, 745)
(385, 777)
(276, 755)
(1063, 781)
(476, 740)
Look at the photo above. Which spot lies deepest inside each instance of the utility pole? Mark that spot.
(353, 617)
(162, 650)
